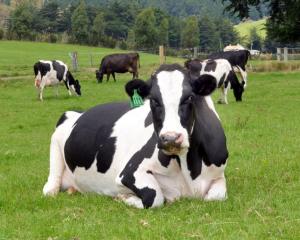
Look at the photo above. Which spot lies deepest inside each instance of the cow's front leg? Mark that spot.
(147, 192)
(217, 190)
(114, 77)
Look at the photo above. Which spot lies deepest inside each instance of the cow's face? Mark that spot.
(238, 92)
(99, 76)
(76, 88)
(172, 97)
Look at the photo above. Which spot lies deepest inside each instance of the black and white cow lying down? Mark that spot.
(172, 146)
(222, 70)
(51, 73)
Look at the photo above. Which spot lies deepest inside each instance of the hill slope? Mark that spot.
(245, 27)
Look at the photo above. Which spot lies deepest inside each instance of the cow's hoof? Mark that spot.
(131, 200)
(50, 190)
(221, 102)
(71, 190)
(216, 194)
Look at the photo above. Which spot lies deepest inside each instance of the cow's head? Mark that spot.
(238, 92)
(76, 87)
(172, 92)
(99, 76)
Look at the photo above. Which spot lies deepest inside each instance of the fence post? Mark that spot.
(278, 54)
(195, 52)
(285, 54)
(161, 54)
(74, 60)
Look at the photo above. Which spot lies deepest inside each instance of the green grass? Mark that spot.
(245, 27)
(263, 134)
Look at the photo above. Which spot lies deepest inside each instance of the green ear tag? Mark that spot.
(136, 100)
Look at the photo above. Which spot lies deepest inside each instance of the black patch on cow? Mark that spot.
(222, 80)
(60, 70)
(235, 58)
(157, 106)
(42, 67)
(165, 159)
(208, 141)
(63, 118)
(210, 66)
(148, 120)
(90, 137)
(146, 194)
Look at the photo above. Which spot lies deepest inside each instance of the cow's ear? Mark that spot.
(143, 89)
(204, 84)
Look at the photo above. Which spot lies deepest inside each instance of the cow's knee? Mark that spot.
(217, 190)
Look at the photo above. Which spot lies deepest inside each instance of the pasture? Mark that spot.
(263, 137)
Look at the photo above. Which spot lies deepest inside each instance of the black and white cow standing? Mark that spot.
(238, 59)
(222, 71)
(172, 146)
(51, 73)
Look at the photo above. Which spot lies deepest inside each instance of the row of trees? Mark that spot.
(121, 22)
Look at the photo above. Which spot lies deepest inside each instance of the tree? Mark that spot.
(174, 32)
(145, 30)
(98, 29)
(284, 22)
(190, 33)
(47, 18)
(163, 36)
(255, 39)
(80, 23)
(227, 33)
(209, 40)
(22, 21)
(119, 18)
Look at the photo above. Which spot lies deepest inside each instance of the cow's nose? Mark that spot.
(171, 138)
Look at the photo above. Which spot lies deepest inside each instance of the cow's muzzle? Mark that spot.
(171, 142)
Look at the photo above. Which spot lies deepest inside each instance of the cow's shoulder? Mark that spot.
(91, 137)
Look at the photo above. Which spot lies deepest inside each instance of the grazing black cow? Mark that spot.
(49, 73)
(118, 63)
(172, 146)
(222, 71)
(238, 59)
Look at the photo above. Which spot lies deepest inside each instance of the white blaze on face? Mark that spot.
(170, 86)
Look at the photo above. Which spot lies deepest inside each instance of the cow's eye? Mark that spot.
(188, 99)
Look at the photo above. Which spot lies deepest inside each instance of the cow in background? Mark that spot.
(118, 63)
(233, 48)
(238, 60)
(222, 71)
(51, 73)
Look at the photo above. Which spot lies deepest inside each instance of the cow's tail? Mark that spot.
(37, 82)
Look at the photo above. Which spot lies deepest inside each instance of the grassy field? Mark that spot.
(245, 27)
(263, 134)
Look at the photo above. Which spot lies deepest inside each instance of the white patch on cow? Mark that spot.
(211, 105)
(210, 184)
(170, 86)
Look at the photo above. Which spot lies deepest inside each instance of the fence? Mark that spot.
(286, 54)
